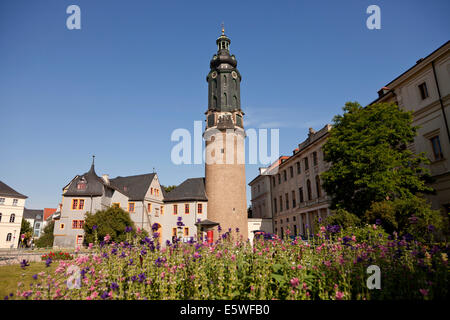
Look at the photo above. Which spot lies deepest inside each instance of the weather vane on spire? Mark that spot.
(223, 28)
(93, 159)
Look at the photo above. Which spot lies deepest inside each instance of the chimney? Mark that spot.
(105, 178)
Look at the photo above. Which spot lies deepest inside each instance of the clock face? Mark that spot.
(234, 74)
(214, 74)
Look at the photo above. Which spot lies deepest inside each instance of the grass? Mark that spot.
(10, 275)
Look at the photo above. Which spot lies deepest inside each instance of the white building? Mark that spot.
(12, 204)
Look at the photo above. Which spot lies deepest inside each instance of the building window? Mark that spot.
(295, 230)
(306, 164)
(300, 194)
(298, 167)
(12, 218)
(282, 233)
(199, 208)
(281, 203)
(308, 187)
(0, 217)
(116, 205)
(186, 231)
(175, 209)
(186, 208)
(79, 240)
(8, 237)
(437, 151)
(131, 206)
(77, 224)
(293, 199)
(2, 200)
(279, 178)
(291, 171)
(281, 221)
(151, 190)
(174, 232)
(273, 182)
(275, 204)
(149, 207)
(315, 158)
(162, 209)
(284, 175)
(61, 226)
(318, 186)
(423, 91)
(15, 201)
(77, 204)
(287, 200)
(294, 218)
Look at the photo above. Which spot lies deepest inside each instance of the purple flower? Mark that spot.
(431, 227)
(378, 222)
(142, 277)
(114, 286)
(105, 255)
(94, 227)
(143, 252)
(155, 235)
(104, 295)
(114, 251)
(24, 263)
(48, 262)
(128, 229)
(130, 262)
(35, 276)
(155, 226)
(219, 228)
(237, 230)
(133, 278)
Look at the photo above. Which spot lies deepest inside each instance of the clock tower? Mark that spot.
(224, 138)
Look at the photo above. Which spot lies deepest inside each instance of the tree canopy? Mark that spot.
(370, 161)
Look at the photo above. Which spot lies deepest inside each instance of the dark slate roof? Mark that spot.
(135, 187)
(7, 191)
(33, 214)
(190, 189)
(94, 185)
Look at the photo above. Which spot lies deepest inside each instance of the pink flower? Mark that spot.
(424, 292)
(339, 295)
(299, 266)
(107, 238)
(353, 238)
(305, 287)
(163, 274)
(233, 257)
(295, 282)
(91, 245)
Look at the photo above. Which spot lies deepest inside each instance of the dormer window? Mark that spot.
(81, 185)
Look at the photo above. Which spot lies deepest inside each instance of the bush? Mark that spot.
(113, 222)
(342, 218)
(408, 217)
(46, 239)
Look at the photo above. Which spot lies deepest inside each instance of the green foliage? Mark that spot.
(369, 158)
(46, 239)
(408, 216)
(168, 188)
(112, 221)
(26, 229)
(342, 218)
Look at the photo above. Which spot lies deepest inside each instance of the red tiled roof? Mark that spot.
(48, 212)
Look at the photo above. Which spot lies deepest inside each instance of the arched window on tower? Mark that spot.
(225, 99)
(225, 80)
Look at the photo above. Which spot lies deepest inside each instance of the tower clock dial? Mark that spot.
(234, 74)
(214, 74)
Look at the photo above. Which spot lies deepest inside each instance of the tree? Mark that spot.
(370, 162)
(169, 188)
(27, 230)
(46, 239)
(112, 221)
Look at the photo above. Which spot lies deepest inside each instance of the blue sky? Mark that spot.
(136, 71)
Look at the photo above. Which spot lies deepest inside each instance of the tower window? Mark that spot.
(306, 164)
(225, 99)
(318, 186)
(298, 167)
(308, 187)
(315, 158)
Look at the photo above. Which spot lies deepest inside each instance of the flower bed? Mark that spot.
(59, 255)
(331, 266)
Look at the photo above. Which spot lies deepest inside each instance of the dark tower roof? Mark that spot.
(223, 78)
(135, 187)
(86, 185)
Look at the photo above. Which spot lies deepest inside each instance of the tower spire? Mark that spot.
(223, 29)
